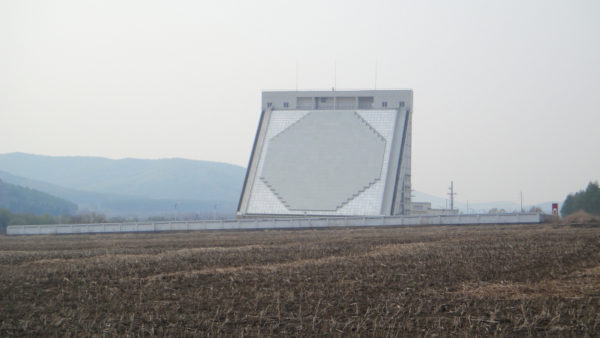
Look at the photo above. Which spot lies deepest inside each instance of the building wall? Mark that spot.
(277, 223)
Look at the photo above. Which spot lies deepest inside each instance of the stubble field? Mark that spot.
(468, 280)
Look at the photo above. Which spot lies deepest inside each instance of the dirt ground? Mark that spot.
(453, 280)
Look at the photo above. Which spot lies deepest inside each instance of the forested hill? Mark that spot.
(19, 199)
(130, 187)
(159, 179)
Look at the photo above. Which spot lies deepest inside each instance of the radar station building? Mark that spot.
(330, 153)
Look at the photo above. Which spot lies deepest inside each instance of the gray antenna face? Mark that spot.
(323, 161)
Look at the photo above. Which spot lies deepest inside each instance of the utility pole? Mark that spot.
(451, 193)
(521, 201)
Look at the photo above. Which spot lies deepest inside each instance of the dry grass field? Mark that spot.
(468, 280)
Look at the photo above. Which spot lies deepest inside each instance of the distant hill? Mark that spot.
(20, 199)
(130, 187)
(160, 179)
(126, 206)
(122, 205)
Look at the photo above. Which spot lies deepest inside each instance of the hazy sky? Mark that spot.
(506, 93)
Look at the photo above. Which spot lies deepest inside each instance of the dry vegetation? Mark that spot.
(581, 218)
(477, 280)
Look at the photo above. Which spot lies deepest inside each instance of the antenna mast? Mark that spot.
(375, 74)
(334, 74)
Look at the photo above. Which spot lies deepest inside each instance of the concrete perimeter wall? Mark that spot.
(275, 223)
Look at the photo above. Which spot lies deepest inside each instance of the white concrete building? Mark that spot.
(424, 208)
(330, 153)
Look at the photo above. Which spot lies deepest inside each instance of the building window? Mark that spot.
(384, 104)
(323, 99)
(286, 105)
(269, 104)
(401, 104)
(365, 102)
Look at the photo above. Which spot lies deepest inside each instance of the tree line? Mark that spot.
(587, 200)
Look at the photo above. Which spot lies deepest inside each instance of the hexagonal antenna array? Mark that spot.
(323, 161)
